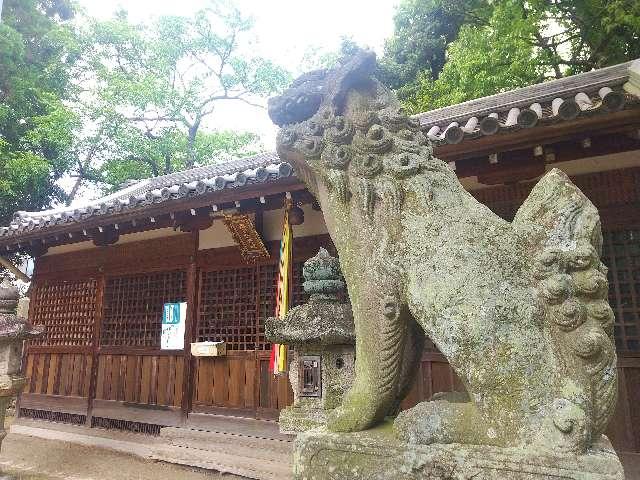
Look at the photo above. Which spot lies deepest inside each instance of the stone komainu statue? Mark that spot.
(519, 309)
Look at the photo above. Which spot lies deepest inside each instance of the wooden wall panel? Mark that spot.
(274, 391)
(165, 252)
(624, 428)
(141, 379)
(65, 374)
(225, 382)
(241, 382)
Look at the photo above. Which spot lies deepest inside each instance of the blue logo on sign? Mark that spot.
(171, 314)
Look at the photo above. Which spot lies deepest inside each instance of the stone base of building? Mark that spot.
(377, 455)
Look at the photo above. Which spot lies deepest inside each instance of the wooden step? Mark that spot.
(246, 455)
(219, 441)
(225, 463)
(239, 425)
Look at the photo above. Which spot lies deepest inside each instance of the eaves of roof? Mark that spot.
(592, 93)
(257, 170)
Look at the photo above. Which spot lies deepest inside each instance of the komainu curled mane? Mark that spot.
(519, 309)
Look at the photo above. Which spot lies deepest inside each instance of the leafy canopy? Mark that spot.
(154, 87)
(38, 50)
(448, 51)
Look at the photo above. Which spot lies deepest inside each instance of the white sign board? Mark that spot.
(174, 316)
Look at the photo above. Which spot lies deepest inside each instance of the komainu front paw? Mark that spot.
(359, 411)
(442, 421)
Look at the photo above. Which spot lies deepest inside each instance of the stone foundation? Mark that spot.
(296, 419)
(377, 455)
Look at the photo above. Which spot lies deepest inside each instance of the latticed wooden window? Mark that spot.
(268, 277)
(133, 307)
(236, 301)
(229, 307)
(67, 310)
(298, 295)
(621, 253)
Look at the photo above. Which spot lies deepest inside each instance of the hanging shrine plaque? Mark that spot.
(246, 237)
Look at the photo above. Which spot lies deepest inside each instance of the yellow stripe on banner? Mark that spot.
(282, 291)
(282, 359)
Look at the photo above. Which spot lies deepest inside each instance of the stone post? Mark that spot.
(13, 331)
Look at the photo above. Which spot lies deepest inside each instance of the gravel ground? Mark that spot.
(28, 458)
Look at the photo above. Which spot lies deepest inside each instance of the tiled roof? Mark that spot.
(262, 168)
(605, 90)
(590, 93)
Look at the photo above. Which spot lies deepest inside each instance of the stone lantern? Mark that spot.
(322, 335)
(13, 331)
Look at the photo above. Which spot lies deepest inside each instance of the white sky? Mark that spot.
(285, 30)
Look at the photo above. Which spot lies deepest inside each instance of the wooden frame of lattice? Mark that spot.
(228, 306)
(235, 301)
(133, 305)
(621, 253)
(68, 311)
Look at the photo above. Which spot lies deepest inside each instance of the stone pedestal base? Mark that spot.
(294, 419)
(377, 455)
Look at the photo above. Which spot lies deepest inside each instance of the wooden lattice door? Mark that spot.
(67, 310)
(133, 307)
(59, 363)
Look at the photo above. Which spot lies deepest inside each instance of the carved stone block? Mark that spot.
(377, 455)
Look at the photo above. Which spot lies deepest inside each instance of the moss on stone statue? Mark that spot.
(519, 309)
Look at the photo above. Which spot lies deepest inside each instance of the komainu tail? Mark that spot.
(561, 227)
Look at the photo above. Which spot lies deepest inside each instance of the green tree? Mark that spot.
(154, 87)
(38, 50)
(505, 44)
(423, 29)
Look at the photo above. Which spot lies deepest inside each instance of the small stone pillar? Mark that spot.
(322, 335)
(13, 331)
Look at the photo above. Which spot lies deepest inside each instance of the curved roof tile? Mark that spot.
(545, 103)
(260, 168)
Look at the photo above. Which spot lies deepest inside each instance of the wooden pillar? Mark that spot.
(95, 345)
(190, 328)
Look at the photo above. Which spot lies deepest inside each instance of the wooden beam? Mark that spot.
(95, 346)
(190, 329)
(565, 150)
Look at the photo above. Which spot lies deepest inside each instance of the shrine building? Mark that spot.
(209, 237)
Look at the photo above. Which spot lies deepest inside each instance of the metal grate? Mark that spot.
(126, 425)
(133, 307)
(58, 417)
(67, 310)
(622, 256)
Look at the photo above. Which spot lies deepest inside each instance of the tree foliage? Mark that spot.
(38, 50)
(154, 87)
(474, 48)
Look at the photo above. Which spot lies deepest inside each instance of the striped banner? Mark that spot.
(278, 360)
